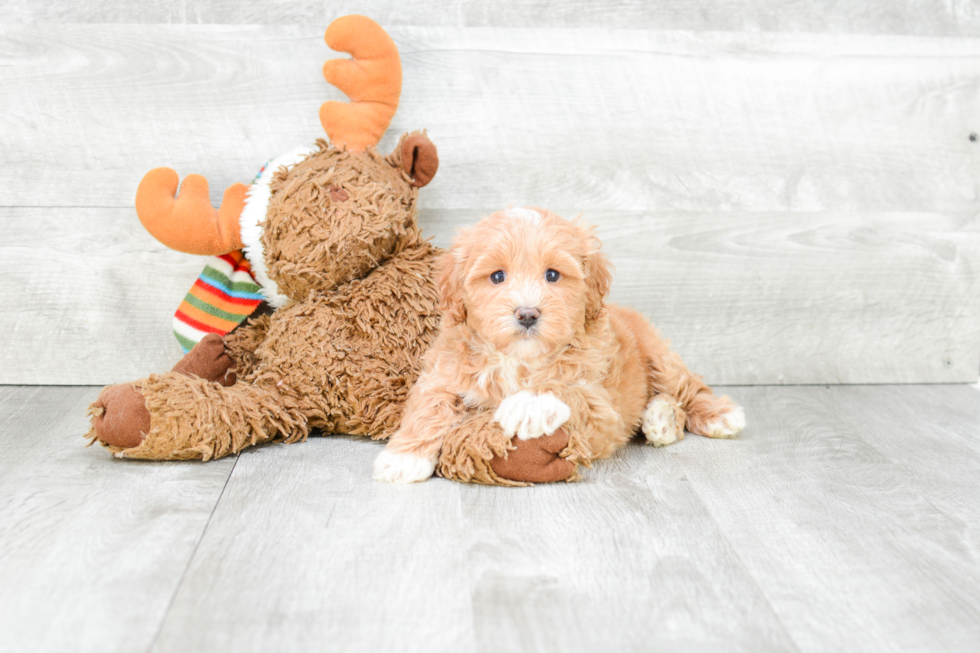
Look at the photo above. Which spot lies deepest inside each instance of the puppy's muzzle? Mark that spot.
(527, 316)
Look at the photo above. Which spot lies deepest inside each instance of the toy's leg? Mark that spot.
(190, 418)
(477, 451)
(536, 460)
(119, 416)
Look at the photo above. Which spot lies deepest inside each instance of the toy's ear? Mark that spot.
(598, 278)
(419, 158)
(449, 282)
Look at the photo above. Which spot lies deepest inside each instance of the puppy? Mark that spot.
(525, 332)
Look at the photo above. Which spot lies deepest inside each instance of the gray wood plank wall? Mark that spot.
(921, 17)
(790, 193)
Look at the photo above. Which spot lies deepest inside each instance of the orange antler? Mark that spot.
(372, 80)
(188, 223)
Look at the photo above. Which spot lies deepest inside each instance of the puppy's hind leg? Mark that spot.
(706, 414)
(663, 421)
(669, 380)
(714, 417)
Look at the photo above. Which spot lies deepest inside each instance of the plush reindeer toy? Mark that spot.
(330, 236)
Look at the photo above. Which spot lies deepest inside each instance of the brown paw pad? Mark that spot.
(535, 460)
(120, 417)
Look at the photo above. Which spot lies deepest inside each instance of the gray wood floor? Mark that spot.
(806, 173)
(844, 518)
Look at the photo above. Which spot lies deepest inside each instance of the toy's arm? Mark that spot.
(475, 450)
(187, 222)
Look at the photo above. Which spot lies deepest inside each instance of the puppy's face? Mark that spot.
(524, 279)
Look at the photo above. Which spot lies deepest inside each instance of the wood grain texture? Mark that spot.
(91, 549)
(310, 551)
(922, 17)
(796, 298)
(854, 510)
(626, 561)
(307, 549)
(785, 184)
(746, 298)
(611, 119)
(842, 514)
(95, 297)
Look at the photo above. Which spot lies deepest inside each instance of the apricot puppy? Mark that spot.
(526, 333)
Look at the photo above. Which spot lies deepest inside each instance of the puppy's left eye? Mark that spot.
(552, 276)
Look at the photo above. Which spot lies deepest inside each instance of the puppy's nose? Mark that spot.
(527, 316)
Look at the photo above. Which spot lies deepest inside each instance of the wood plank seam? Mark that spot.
(190, 559)
(692, 488)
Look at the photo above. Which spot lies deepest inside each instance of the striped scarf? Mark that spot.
(222, 297)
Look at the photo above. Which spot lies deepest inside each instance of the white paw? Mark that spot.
(659, 423)
(529, 415)
(391, 467)
(728, 425)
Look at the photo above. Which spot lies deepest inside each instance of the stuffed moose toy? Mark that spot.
(330, 235)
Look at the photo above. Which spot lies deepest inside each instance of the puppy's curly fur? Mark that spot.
(526, 333)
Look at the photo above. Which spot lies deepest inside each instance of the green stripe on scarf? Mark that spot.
(238, 286)
(214, 310)
(186, 343)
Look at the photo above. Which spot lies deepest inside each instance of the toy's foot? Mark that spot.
(535, 460)
(659, 422)
(209, 360)
(119, 417)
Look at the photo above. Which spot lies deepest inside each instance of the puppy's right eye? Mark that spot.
(498, 276)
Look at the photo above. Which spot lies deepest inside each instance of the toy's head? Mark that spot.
(335, 215)
(345, 208)
(314, 219)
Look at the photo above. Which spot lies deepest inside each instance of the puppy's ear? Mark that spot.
(449, 282)
(598, 278)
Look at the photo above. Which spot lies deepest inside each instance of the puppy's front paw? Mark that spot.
(529, 415)
(728, 425)
(391, 467)
(659, 423)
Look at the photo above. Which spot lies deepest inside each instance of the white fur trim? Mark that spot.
(530, 215)
(256, 208)
(391, 467)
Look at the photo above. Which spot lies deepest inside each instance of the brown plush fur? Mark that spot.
(342, 355)
(314, 243)
(603, 364)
